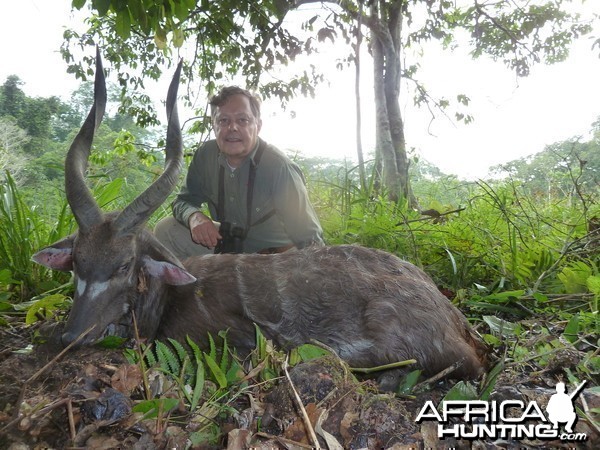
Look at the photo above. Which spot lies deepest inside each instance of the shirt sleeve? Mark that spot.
(294, 208)
(191, 196)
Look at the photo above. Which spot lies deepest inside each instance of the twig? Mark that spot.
(71, 420)
(306, 419)
(589, 415)
(432, 216)
(60, 355)
(282, 440)
(395, 365)
(439, 375)
(40, 412)
(140, 354)
(541, 354)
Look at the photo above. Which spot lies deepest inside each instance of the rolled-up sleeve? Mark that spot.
(191, 196)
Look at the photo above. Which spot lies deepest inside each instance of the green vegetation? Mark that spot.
(519, 254)
(533, 232)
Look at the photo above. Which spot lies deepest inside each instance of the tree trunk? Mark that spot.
(384, 21)
(385, 24)
(359, 148)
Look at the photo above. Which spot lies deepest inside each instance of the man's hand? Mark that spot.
(203, 230)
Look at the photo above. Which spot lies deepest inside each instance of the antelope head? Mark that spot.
(116, 262)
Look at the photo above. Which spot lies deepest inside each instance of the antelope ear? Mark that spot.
(58, 256)
(168, 272)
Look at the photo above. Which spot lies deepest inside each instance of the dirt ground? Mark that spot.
(84, 398)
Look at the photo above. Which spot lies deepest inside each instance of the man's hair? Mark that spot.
(219, 99)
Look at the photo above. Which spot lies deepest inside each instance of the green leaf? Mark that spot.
(572, 329)
(225, 351)
(195, 349)
(108, 193)
(540, 297)
(593, 365)
(78, 3)
(500, 326)
(461, 391)
(123, 24)
(212, 346)
(504, 297)
(593, 284)
(182, 354)
(46, 306)
(235, 373)
(181, 10)
(490, 381)
(216, 371)
(139, 15)
(6, 277)
(151, 408)
(178, 37)
(111, 342)
(101, 6)
(198, 386)
(150, 358)
(409, 382)
(207, 435)
(305, 353)
(160, 37)
(491, 339)
(167, 360)
(574, 278)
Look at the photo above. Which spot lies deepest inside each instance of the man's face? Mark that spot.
(236, 129)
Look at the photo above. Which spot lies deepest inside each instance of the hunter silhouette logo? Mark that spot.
(560, 407)
(509, 419)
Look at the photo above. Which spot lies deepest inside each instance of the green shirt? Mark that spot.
(278, 187)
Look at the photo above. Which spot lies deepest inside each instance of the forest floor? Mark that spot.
(83, 399)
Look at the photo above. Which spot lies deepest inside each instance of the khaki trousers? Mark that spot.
(178, 239)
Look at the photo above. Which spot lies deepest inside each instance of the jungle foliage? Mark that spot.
(517, 252)
(533, 232)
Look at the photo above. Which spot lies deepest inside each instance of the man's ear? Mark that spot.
(58, 256)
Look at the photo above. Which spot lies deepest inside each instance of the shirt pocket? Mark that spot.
(262, 210)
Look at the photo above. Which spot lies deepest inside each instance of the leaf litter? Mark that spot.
(87, 398)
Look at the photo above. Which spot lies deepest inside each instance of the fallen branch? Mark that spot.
(395, 365)
(305, 418)
(431, 214)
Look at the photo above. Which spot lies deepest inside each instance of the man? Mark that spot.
(249, 186)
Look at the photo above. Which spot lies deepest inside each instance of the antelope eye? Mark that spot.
(124, 268)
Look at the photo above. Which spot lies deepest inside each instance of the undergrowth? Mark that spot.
(523, 267)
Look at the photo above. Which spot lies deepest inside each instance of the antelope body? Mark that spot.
(371, 307)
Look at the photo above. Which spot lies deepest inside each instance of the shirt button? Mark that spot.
(231, 199)
(232, 175)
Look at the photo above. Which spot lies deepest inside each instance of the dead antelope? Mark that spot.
(371, 307)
